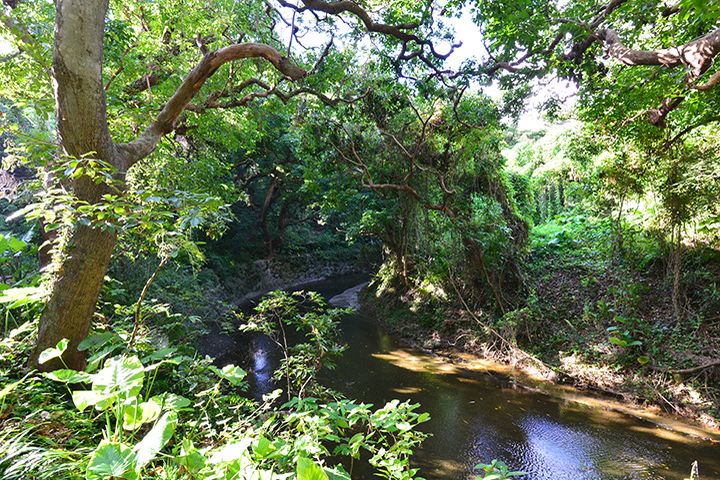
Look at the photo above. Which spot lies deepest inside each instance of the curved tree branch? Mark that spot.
(697, 54)
(348, 6)
(402, 32)
(164, 123)
(710, 83)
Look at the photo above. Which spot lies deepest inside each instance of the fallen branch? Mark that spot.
(698, 368)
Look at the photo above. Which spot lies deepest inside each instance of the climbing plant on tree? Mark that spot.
(436, 169)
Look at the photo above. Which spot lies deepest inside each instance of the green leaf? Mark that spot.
(135, 416)
(53, 352)
(122, 376)
(170, 401)
(87, 398)
(231, 373)
(309, 470)
(111, 460)
(263, 447)
(404, 426)
(643, 359)
(156, 439)
(190, 457)
(232, 451)
(16, 245)
(97, 340)
(337, 473)
(65, 375)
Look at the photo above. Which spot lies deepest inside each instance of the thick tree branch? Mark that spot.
(698, 54)
(405, 33)
(578, 49)
(710, 83)
(164, 123)
(657, 116)
(348, 6)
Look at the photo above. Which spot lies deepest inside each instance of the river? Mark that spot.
(478, 415)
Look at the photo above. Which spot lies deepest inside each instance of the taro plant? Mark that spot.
(624, 336)
(143, 429)
(116, 392)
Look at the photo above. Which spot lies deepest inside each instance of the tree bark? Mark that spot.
(270, 198)
(698, 54)
(73, 296)
(82, 126)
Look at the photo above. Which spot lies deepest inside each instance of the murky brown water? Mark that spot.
(478, 416)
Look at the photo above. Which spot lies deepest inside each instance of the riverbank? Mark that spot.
(461, 340)
(480, 410)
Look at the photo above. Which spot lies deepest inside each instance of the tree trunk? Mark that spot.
(73, 296)
(82, 126)
(279, 239)
(83, 130)
(476, 261)
(619, 240)
(270, 197)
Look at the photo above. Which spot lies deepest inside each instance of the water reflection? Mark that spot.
(477, 416)
(549, 446)
(262, 366)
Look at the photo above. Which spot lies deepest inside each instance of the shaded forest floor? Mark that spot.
(591, 317)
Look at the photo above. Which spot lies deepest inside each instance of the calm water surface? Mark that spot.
(479, 416)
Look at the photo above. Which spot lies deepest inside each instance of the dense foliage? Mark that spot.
(164, 161)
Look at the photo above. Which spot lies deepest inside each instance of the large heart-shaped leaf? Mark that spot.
(111, 460)
(337, 473)
(192, 459)
(122, 376)
(97, 340)
(135, 416)
(170, 401)
(87, 398)
(65, 375)
(231, 373)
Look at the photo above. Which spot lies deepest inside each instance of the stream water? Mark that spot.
(477, 416)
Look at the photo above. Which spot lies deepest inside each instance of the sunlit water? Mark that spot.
(479, 416)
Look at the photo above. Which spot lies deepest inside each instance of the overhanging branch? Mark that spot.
(163, 124)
